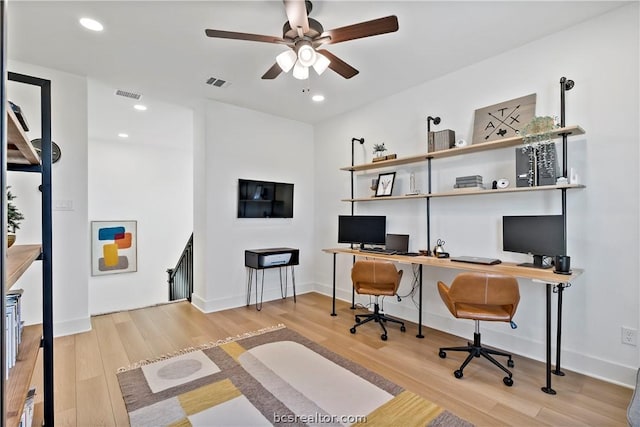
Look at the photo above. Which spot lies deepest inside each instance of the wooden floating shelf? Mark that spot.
(19, 148)
(458, 151)
(468, 193)
(19, 258)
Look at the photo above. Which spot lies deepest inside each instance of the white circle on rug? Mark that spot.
(178, 370)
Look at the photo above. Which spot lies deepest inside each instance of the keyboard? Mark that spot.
(477, 260)
(378, 251)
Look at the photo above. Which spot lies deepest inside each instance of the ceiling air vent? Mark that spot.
(212, 81)
(127, 94)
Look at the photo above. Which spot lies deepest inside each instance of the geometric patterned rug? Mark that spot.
(272, 376)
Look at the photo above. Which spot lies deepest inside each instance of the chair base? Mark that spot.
(476, 350)
(377, 317)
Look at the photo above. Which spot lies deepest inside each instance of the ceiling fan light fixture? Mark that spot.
(286, 60)
(306, 55)
(321, 64)
(300, 72)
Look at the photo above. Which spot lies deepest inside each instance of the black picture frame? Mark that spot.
(385, 184)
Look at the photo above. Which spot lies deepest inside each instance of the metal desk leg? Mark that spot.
(547, 389)
(259, 306)
(420, 304)
(557, 371)
(249, 284)
(353, 290)
(293, 281)
(283, 293)
(333, 302)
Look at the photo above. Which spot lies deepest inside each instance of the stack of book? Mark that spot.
(27, 414)
(469, 183)
(13, 327)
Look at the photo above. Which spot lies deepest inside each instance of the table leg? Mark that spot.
(547, 389)
(249, 285)
(283, 293)
(333, 301)
(259, 306)
(293, 282)
(557, 371)
(420, 303)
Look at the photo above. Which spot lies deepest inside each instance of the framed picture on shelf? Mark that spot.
(385, 184)
(113, 247)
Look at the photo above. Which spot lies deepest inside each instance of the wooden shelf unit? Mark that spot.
(458, 151)
(22, 157)
(467, 193)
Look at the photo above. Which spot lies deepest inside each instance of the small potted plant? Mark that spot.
(379, 149)
(14, 216)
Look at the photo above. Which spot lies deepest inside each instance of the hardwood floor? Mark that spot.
(87, 392)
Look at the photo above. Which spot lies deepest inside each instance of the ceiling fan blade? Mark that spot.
(245, 36)
(338, 65)
(388, 24)
(272, 72)
(297, 14)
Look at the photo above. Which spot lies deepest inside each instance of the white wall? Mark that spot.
(232, 143)
(69, 182)
(601, 56)
(151, 183)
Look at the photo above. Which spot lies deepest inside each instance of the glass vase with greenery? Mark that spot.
(537, 137)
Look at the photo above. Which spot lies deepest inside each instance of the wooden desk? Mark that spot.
(546, 276)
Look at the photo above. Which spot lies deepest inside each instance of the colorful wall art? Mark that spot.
(113, 247)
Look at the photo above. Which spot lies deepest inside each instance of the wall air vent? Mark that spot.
(128, 94)
(212, 81)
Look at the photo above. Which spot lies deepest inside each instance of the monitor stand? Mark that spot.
(537, 263)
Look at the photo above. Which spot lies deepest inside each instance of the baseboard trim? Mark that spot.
(70, 327)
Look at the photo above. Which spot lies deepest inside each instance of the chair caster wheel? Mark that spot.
(507, 381)
(383, 337)
(402, 328)
(352, 330)
(457, 374)
(442, 354)
(510, 363)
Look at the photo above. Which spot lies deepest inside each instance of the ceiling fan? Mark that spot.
(303, 35)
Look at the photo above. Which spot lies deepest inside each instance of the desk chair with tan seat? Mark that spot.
(378, 278)
(481, 296)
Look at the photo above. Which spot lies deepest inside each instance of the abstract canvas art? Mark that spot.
(113, 247)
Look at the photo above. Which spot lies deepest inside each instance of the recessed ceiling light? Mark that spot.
(140, 107)
(318, 98)
(91, 24)
(123, 135)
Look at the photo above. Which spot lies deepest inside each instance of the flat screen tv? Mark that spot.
(362, 229)
(264, 199)
(537, 235)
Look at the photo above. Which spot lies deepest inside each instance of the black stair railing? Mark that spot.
(181, 276)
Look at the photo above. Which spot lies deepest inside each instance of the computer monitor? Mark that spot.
(538, 235)
(362, 229)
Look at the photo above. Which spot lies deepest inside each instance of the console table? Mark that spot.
(553, 281)
(262, 259)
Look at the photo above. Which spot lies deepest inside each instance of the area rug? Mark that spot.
(273, 376)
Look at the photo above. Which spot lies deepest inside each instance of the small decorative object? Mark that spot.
(438, 250)
(378, 150)
(461, 143)
(538, 145)
(385, 184)
(503, 120)
(412, 185)
(113, 247)
(14, 216)
(374, 185)
(502, 183)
